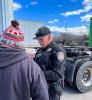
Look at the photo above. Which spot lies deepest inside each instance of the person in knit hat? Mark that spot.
(12, 36)
(20, 77)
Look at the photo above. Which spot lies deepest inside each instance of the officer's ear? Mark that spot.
(49, 36)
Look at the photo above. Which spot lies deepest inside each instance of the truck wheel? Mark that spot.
(83, 77)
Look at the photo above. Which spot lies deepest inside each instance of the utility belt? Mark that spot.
(57, 86)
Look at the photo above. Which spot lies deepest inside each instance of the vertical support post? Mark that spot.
(90, 32)
(6, 13)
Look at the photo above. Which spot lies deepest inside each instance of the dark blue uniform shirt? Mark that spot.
(51, 59)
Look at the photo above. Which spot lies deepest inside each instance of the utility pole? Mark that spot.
(6, 13)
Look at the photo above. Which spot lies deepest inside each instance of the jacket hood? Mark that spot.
(9, 56)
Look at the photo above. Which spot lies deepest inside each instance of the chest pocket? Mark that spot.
(42, 58)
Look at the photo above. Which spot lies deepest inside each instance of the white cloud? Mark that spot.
(53, 21)
(78, 30)
(55, 28)
(86, 1)
(87, 8)
(77, 12)
(73, 30)
(34, 3)
(16, 6)
(86, 17)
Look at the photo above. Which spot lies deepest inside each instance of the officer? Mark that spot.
(50, 57)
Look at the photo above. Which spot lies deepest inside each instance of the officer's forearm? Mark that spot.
(50, 75)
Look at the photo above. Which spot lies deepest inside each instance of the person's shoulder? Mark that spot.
(57, 48)
(38, 50)
(58, 52)
(29, 56)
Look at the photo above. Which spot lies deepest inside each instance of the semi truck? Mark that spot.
(78, 65)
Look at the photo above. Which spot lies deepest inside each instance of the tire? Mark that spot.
(83, 77)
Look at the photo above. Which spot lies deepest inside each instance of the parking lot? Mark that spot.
(70, 94)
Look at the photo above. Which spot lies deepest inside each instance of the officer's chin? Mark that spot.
(43, 46)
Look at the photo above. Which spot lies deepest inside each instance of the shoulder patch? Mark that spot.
(60, 56)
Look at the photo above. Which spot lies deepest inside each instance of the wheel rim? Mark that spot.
(87, 77)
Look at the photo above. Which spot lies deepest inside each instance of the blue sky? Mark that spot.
(56, 14)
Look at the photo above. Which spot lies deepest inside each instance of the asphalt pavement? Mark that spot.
(71, 94)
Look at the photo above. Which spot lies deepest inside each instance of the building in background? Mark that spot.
(6, 13)
(29, 28)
